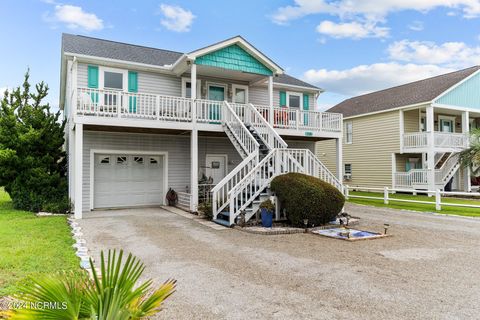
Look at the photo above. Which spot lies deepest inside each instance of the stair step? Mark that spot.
(225, 213)
(222, 222)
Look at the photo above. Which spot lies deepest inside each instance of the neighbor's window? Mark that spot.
(347, 168)
(113, 80)
(348, 132)
(294, 100)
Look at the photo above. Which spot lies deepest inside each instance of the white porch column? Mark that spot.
(431, 149)
(194, 169)
(78, 170)
(194, 142)
(402, 129)
(270, 99)
(467, 186)
(339, 158)
(394, 170)
(71, 160)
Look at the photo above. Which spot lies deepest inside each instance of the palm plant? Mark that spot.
(111, 295)
(470, 158)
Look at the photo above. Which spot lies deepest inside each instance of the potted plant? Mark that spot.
(266, 211)
(171, 197)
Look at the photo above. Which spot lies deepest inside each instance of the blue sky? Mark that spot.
(347, 47)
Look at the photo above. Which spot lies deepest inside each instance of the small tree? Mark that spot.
(32, 159)
(470, 158)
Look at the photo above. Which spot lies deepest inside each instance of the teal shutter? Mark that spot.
(93, 81)
(407, 166)
(305, 107)
(132, 87)
(283, 99)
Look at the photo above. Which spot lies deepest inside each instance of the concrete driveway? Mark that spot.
(429, 269)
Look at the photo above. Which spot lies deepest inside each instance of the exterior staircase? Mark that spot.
(265, 155)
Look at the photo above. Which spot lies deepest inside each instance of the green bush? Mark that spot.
(32, 159)
(307, 197)
(206, 208)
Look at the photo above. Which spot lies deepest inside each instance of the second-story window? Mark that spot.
(113, 80)
(188, 89)
(294, 100)
(348, 132)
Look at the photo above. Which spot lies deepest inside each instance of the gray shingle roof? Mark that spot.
(411, 93)
(133, 53)
(118, 50)
(289, 80)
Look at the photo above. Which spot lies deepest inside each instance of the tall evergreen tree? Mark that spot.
(32, 157)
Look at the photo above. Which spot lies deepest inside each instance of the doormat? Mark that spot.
(349, 234)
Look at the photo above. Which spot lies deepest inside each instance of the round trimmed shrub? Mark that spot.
(307, 197)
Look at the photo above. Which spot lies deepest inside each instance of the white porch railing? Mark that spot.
(441, 140)
(114, 103)
(291, 118)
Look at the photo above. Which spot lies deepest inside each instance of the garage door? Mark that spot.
(123, 180)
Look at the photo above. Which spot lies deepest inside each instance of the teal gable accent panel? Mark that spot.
(233, 58)
(465, 95)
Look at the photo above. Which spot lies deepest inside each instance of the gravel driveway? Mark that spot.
(428, 269)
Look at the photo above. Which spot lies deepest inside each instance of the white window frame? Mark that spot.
(347, 176)
(239, 86)
(347, 141)
(101, 78)
(184, 87)
(292, 93)
(447, 118)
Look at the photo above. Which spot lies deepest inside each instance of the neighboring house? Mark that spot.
(142, 120)
(409, 136)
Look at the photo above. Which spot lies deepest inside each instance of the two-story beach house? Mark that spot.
(409, 136)
(224, 119)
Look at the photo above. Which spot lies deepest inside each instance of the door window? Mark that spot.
(446, 125)
(216, 93)
(240, 95)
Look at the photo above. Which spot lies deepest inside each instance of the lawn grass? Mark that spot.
(470, 212)
(31, 245)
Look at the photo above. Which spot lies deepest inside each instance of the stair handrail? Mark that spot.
(265, 171)
(238, 128)
(448, 166)
(251, 147)
(276, 140)
(223, 187)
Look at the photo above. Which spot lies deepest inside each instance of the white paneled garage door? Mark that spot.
(128, 180)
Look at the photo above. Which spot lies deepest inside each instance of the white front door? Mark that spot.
(128, 180)
(216, 167)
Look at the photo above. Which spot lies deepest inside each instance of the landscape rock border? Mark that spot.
(80, 245)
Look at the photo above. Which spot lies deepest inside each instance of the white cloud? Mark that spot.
(451, 54)
(367, 78)
(416, 26)
(76, 18)
(176, 18)
(2, 91)
(354, 30)
(375, 10)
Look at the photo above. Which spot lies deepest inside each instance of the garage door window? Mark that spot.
(105, 160)
(153, 160)
(122, 160)
(138, 160)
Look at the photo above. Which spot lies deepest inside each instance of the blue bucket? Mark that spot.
(267, 218)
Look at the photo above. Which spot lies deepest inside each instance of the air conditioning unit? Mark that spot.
(347, 176)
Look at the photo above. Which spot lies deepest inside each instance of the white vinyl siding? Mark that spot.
(177, 147)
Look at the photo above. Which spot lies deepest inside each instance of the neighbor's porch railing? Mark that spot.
(441, 140)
